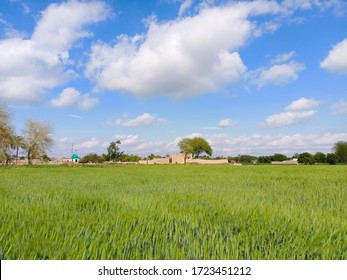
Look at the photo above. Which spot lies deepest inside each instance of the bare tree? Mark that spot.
(18, 144)
(6, 135)
(185, 147)
(37, 138)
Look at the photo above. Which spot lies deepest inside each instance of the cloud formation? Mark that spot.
(336, 61)
(134, 144)
(92, 143)
(302, 104)
(340, 107)
(31, 66)
(184, 57)
(295, 113)
(283, 57)
(145, 119)
(279, 74)
(225, 123)
(338, 6)
(186, 4)
(288, 118)
(70, 97)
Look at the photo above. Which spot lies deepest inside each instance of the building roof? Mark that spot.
(75, 156)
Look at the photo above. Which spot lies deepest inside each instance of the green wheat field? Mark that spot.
(173, 212)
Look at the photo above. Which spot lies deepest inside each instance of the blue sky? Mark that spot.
(251, 77)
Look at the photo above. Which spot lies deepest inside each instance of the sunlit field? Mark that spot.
(173, 212)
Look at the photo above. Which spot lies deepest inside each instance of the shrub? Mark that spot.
(92, 158)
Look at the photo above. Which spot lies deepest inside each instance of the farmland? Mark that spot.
(173, 212)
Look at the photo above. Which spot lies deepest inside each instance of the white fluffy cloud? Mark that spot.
(295, 113)
(279, 74)
(336, 61)
(87, 102)
(30, 66)
(62, 24)
(225, 123)
(302, 104)
(288, 118)
(181, 58)
(70, 97)
(145, 119)
(134, 144)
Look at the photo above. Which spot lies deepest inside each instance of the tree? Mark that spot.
(306, 158)
(320, 157)
(246, 159)
(18, 144)
(200, 145)
(331, 158)
(131, 158)
(113, 153)
(340, 150)
(185, 147)
(6, 135)
(152, 156)
(92, 158)
(37, 138)
(264, 159)
(296, 155)
(195, 146)
(45, 158)
(279, 157)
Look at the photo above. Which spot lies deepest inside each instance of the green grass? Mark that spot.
(173, 212)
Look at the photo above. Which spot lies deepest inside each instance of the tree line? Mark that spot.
(198, 146)
(338, 156)
(36, 138)
(113, 155)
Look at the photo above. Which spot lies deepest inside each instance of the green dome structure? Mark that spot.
(75, 158)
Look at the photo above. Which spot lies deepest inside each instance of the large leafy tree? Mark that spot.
(279, 157)
(320, 157)
(200, 145)
(37, 138)
(6, 135)
(331, 158)
(306, 158)
(92, 158)
(195, 146)
(113, 151)
(340, 149)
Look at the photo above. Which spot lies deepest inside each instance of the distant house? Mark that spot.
(75, 158)
(165, 160)
(181, 158)
(290, 161)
